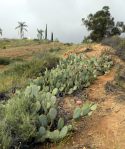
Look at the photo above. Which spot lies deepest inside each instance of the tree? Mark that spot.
(102, 24)
(46, 32)
(40, 34)
(22, 27)
(1, 32)
(52, 37)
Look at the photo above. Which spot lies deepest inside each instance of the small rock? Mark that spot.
(78, 102)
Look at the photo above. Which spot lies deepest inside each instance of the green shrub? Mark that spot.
(4, 61)
(19, 72)
(7, 60)
(118, 44)
(55, 49)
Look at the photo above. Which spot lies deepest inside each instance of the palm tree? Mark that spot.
(40, 34)
(1, 32)
(22, 27)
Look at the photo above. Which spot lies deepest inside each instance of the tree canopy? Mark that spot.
(40, 34)
(22, 27)
(102, 24)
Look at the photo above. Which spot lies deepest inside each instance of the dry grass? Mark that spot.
(34, 58)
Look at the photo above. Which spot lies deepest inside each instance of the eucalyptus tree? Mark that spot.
(22, 28)
(40, 34)
(101, 24)
(1, 32)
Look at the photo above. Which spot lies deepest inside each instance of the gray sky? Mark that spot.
(62, 16)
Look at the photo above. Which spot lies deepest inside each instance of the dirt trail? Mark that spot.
(105, 129)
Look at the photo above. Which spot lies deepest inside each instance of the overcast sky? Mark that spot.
(62, 16)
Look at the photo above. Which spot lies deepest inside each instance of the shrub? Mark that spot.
(111, 41)
(55, 49)
(19, 73)
(68, 44)
(4, 61)
(118, 44)
(120, 77)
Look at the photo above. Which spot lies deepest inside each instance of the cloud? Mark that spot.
(62, 16)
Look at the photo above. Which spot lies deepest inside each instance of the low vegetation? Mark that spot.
(6, 43)
(116, 43)
(35, 118)
(75, 72)
(33, 84)
(19, 72)
(15, 71)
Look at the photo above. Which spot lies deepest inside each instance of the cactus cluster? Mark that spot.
(48, 119)
(105, 62)
(85, 110)
(73, 73)
(32, 114)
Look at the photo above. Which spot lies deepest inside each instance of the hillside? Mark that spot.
(101, 130)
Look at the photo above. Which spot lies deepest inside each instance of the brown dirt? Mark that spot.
(2, 66)
(97, 50)
(21, 51)
(105, 129)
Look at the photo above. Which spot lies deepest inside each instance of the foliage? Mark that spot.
(118, 44)
(76, 71)
(7, 43)
(4, 61)
(112, 41)
(7, 60)
(32, 114)
(86, 40)
(86, 109)
(55, 49)
(120, 77)
(102, 24)
(40, 34)
(22, 27)
(19, 72)
(104, 64)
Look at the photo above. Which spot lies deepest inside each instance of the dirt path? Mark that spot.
(105, 129)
